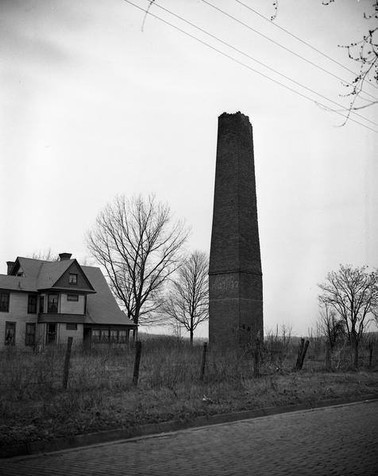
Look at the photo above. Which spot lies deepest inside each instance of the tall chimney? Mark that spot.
(235, 275)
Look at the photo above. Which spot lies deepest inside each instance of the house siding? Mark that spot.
(18, 313)
(64, 334)
(40, 338)
(72, 307)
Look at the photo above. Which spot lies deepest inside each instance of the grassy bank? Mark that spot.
(101, 395)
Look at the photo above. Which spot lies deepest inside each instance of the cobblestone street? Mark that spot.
(340, 440)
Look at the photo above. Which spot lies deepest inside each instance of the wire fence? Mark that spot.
(166, 362)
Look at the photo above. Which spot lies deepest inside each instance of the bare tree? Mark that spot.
(365, 53)
(332, 327)
(45, 255)
(188, 298)
(353, 294)
(139, 245)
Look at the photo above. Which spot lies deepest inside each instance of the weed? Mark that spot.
(101, 395)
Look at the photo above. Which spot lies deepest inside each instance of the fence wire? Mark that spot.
(167, 364)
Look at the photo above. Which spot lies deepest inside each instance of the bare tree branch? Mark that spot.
(353, 294)
(139, 247)
(330, 325)
(188, 298)
(364, 52)
(146, 13)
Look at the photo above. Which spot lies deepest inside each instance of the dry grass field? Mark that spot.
(101, 394)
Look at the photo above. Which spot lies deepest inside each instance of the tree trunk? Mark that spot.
(328, 363)
(354, 346)
(135, 331)
(191, 330)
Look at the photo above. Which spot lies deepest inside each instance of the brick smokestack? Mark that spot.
(235, 275)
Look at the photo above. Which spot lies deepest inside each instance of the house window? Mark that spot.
(30, 334)
(72, 279)
(52, 303)
(96, 335)
(10, 333)
(71, 327)
(4, 302)
(104, 336)
(122, 336)
(113, 335)
(32, 304)
(72, 297)
(42, 304)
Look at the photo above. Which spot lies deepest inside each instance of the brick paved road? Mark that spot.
(341, 440)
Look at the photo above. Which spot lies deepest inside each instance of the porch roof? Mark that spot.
(62, 318)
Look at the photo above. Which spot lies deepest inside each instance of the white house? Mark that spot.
(44, 302)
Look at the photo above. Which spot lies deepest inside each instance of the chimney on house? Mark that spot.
(10, 265)
(64, 256)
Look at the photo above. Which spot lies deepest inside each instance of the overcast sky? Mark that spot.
(92, 106)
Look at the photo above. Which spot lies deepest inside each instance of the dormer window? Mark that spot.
(72, 279)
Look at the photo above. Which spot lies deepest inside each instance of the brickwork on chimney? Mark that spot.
(235, 275)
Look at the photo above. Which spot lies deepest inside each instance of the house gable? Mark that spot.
(74, 279)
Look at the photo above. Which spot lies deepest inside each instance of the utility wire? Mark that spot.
(261, 63)
(245, 65)
(282, 46)
(303, 41)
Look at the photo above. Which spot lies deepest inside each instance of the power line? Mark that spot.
(282, 46)
(302, 41)
(261, 63)
(244, 65)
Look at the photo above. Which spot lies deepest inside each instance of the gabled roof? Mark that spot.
(102, 308)
(36, 274)
(17, 283)
(29, 266)
(51, 271)
(44, 273)
(54, 276)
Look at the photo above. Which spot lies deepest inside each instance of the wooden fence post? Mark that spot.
(67, 362)
(138, 353)
(370, 354)
(300, 350)
(302, 353)
(203, 363)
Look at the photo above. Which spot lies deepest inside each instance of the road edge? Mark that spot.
(38, 447)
